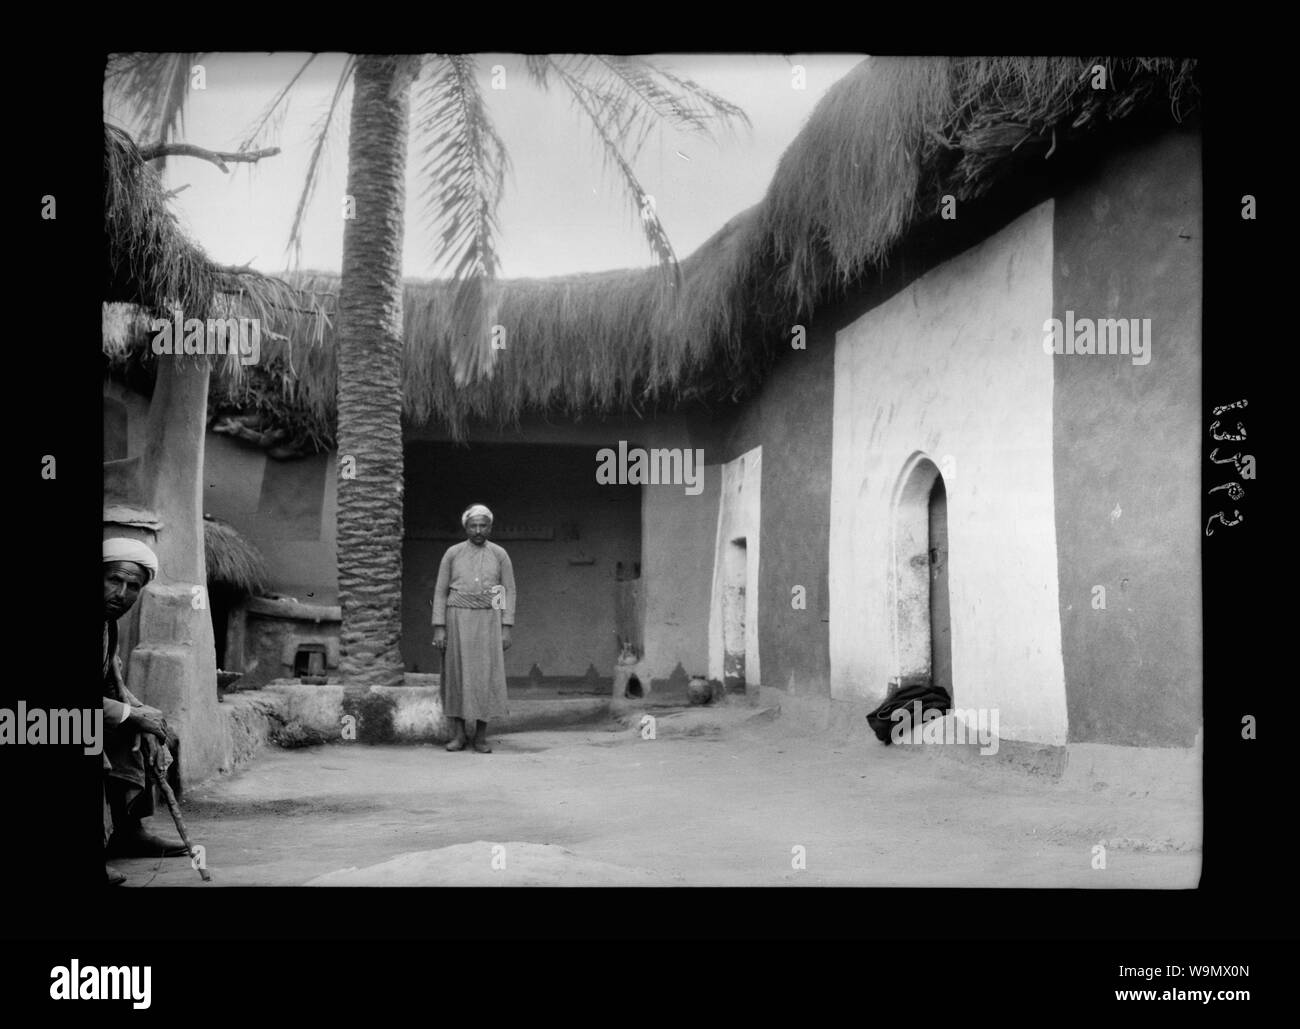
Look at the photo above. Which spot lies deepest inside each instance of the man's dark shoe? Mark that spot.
(144, 844)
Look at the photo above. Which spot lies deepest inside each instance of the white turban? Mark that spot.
(120, 548)
(475, 511)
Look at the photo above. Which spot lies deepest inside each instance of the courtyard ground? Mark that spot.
(721, 796)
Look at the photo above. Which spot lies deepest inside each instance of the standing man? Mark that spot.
(473, 613)
(128, 795)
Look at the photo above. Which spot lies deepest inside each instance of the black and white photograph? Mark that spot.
(720, 440)
(683, 469)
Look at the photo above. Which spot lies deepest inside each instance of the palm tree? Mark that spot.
(463, 164)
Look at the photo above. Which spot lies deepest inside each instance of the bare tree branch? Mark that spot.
(217, 157)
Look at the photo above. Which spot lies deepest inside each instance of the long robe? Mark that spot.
(474, 597)
(127, 792)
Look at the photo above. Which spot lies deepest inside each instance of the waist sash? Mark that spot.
(470, 600)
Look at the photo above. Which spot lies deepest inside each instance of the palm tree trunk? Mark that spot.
(370, 390)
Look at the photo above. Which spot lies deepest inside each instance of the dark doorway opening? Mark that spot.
(940, 622)
(923, 622)
(309, 663)
(223, 599)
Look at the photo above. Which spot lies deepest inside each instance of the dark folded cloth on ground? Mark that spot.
(932, 698)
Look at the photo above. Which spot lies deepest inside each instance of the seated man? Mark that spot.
(128, 795)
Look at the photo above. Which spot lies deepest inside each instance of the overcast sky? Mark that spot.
(562, 212)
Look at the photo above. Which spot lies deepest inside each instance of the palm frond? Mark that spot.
(463, 163)
(153, 89)
(648, 95)
(712, 107)
(538, 67)
(625, 99)
(323, 129)
(274, 112)
(617, 122)
(635, 95)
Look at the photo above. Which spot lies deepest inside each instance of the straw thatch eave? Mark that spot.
(151, 264)
(232, 562)
(895, 135)
(871, 164)
(150, 261)
(640, 348)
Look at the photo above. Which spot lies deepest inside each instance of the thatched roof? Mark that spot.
(231, 560)
(152, 264)
(894, 135)
(884, 144)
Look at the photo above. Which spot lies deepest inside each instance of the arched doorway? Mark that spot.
(922, 623)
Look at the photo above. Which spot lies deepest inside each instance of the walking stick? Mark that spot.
(148, 746)
(150, 749)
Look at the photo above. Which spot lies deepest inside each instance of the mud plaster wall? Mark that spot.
(1127, 447)
(126, 422)
(271, 645)
(173, 665)
(126, 417)
(566, 613)
(286, 509)
(952, 367)
(790, 420)
(296, 535)
(679, 531)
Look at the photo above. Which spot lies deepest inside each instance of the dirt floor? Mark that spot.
(719, 797)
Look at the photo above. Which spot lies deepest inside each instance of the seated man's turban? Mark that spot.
(122, 549)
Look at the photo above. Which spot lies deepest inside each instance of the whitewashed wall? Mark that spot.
(952, 367)
(739, 514)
